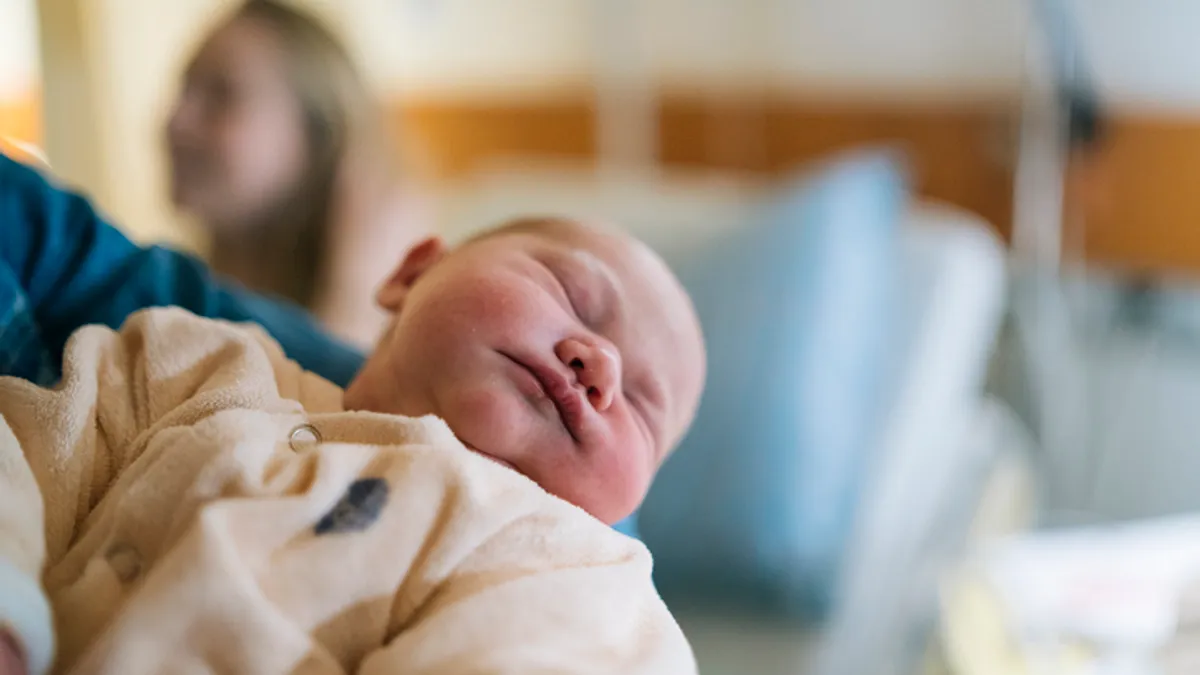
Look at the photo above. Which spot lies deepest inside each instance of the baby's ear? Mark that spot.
(419, 259)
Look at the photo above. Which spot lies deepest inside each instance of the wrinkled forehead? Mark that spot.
(660, 321)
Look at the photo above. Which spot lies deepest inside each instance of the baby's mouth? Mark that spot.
(556, 389)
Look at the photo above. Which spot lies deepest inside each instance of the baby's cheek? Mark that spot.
(498, 307)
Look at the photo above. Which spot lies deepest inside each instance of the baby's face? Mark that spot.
(569, 354)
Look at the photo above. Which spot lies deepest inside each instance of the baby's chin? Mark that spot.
(495, 459)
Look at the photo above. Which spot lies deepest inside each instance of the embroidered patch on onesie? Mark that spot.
(357, 509)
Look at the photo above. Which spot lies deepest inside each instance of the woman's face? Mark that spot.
(236, 136)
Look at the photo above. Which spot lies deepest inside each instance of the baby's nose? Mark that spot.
(597, 367)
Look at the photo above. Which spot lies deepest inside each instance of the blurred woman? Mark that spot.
(278, 149)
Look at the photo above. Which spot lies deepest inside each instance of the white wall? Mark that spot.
(895, 47)
(945, 48)
(18, 49)
(472, 47)
(1146, 53)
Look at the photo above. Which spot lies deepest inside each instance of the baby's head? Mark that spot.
(569, 353)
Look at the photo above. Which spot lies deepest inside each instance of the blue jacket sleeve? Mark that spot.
(76, 269)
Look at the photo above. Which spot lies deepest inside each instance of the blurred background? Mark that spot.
(944, 250)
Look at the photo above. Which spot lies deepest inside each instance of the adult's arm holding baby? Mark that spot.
(62, 266)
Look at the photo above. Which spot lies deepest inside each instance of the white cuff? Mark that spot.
(26, 612)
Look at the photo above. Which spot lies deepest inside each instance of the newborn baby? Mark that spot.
(210, 507)
(568, 354)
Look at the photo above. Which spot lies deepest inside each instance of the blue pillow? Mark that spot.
(756, 505)
(628, 527)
